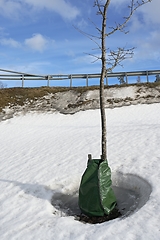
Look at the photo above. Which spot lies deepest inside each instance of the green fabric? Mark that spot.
(107, 196)
(96, 196)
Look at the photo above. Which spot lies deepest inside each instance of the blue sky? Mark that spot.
(37, 36)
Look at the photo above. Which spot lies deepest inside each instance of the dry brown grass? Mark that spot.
(18, 96)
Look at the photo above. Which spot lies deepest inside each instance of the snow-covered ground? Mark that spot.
(45, 154)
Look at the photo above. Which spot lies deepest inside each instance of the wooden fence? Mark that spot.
(8, 75)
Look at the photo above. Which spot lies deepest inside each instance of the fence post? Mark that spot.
(22, 80)
(48, 77)
(70, 81)
(87, 80)
(147, 76)
(126, 78)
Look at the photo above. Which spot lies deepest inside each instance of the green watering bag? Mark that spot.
(96, 197)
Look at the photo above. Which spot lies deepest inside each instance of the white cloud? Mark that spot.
(37, 42)
(62, 7)
(15, 8)
(148, 47)
(10, 8)
(10, 42)
(152, 45)
(151, 12)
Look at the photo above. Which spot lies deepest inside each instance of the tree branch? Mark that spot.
(134, 5)
(116, 57)
(90, 36)
(99, 6)
(95, 56)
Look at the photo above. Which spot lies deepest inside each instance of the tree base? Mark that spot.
(93, 220)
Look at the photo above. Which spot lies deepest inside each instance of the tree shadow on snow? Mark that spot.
(36, 190)
(64, 204)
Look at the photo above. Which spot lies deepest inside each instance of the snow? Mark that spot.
(45, 154)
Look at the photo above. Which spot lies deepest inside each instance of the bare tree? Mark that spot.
(114, 57)
(110, 58)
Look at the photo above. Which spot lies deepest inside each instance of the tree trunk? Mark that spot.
(103, 75)
(103, 118)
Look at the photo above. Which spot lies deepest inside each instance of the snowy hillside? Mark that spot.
(78, 99)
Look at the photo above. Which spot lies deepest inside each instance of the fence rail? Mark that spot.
(12, 75)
